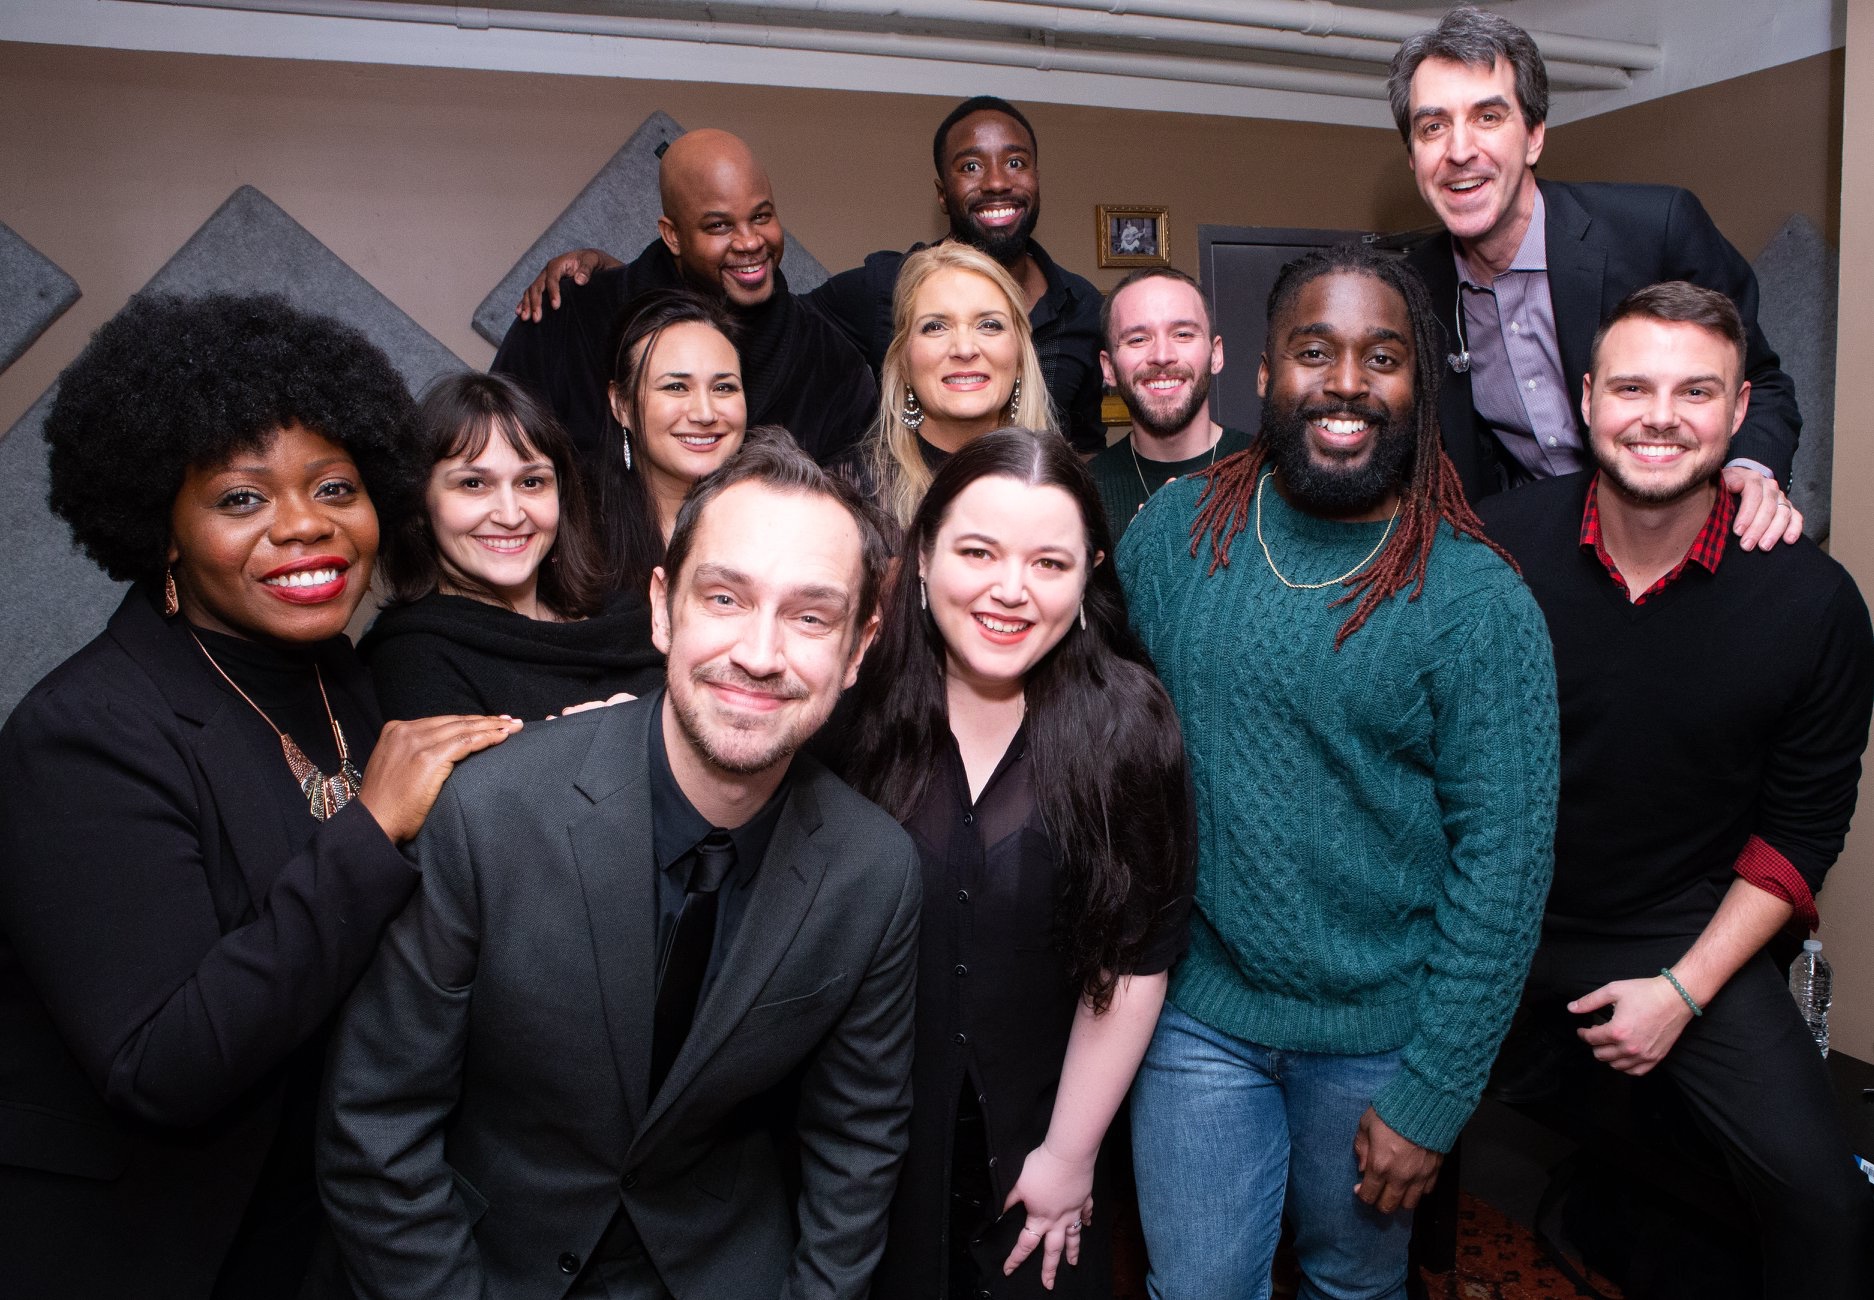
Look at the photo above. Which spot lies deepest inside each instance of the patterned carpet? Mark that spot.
(1497, 1260)
(1500, 1260)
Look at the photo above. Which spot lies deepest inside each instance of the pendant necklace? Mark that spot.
(324, 794)
(1315, 586)
(1139, 469)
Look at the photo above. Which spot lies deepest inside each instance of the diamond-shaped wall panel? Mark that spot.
(33, 294)
(59, 600)
(616, 211)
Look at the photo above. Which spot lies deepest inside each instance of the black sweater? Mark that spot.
(797, 370)
(450, 654)
(1728, 705)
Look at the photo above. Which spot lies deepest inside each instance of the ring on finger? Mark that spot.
(1036, 1231)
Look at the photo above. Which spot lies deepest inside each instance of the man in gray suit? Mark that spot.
(653, 952)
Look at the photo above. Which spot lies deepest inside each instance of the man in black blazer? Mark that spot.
(494, 1122)
(1526, 269)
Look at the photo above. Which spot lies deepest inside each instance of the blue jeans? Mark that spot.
(1222, 1132)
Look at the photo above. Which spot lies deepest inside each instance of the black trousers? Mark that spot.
(1757, 1086)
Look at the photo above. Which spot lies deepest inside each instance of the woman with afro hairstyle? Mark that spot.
(497, 577)
(199, 816)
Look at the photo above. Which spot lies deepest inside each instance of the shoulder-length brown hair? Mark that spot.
(457, 416)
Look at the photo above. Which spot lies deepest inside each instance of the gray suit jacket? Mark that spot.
(485, 1112)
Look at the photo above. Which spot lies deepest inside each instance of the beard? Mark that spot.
(1003, 245)
(1158, 421)
(745, 745)
(1337, 488)
(1697, 478)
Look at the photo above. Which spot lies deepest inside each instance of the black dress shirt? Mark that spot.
(676, 829)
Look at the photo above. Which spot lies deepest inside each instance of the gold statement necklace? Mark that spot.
(324, 794)
(1315, 586)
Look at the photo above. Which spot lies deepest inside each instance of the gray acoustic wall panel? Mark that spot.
(248, 246)
(616, 211)
(1798, 294)
(33, 294)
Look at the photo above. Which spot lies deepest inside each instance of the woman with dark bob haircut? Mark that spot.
(199, 816)
(1009, 718)
(496, 573)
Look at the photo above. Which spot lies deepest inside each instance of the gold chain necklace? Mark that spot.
(1315, 586)
(324, 794)
(1133, 447)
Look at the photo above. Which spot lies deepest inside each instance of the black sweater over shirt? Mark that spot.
(1729, 704)
(1065, 324)
(797, 370)
(451, 654)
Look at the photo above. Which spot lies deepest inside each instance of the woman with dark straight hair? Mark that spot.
(676, 393)
(500, 593)
(1009, 718)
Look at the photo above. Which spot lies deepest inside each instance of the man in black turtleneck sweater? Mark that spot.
(720, 235)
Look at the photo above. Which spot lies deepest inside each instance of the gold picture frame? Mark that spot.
(1130, 235)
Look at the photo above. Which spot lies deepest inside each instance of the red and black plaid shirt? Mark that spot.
(1760, 863)
(1707, 548)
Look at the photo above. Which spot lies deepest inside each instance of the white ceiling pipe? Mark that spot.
(1077, 21)
(885, 44)
(1320, 18)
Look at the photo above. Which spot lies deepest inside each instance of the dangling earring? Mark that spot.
(923, 596)
(1015, 399)
(171, 606)
(625, 438)
(1083, 615)
(913, 413)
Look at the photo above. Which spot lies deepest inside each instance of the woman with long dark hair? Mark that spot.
(676, 393)
(1011, 721)
(501, 597)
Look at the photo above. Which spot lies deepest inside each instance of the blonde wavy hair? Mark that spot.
(893, 462)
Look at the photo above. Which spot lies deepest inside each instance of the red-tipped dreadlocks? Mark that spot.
(1432, 493)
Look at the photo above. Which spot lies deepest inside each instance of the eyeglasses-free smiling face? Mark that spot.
(990, 188)
(962, 356)
(494, 516)
(1162, 354)
(1004, 579)
(1472, 154)
(276, 542)
(691, 410)
(759, 628)
(1662, 403)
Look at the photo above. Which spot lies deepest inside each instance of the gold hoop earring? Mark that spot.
(171, 606)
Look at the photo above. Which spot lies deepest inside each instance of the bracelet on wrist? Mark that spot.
(1680, 988)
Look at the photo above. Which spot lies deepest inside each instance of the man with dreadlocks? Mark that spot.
(1368, 702)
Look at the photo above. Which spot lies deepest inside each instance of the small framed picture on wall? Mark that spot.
(1132, 236)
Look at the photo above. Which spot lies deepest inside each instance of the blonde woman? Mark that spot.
(961, 363)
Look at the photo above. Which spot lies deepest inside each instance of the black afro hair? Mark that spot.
(170, 383)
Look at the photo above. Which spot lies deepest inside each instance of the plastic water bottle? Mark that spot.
(1809, 983)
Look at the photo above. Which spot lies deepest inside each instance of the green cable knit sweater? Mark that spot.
(1375, 825)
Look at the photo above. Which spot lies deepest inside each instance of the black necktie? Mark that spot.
(686, 960)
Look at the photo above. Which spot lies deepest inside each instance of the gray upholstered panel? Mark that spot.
(616, 211)
(59, 600)
(33, 294)
(1796, 278)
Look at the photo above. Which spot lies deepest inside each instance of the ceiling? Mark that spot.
(1304, 60)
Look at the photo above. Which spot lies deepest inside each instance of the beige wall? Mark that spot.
(430, 182)
(1848, 902)
(1755, 149)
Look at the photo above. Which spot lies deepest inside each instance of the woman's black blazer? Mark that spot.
(165, 960)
